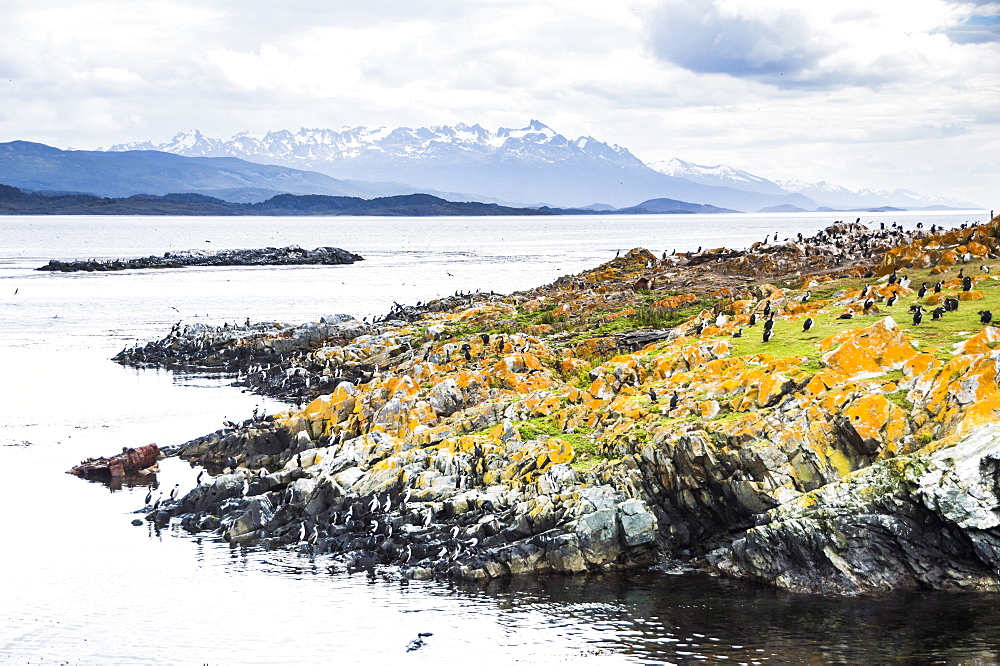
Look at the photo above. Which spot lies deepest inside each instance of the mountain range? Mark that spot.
(530, 166)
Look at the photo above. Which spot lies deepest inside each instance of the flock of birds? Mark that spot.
(868, 299)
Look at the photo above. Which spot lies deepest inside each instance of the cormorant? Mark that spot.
(985, 317)
(807, 324)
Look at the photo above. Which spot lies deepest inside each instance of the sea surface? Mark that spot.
(80, 584)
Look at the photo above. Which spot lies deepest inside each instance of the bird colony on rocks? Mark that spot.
(626, 416)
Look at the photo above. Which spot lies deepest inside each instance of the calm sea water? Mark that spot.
(80, 584)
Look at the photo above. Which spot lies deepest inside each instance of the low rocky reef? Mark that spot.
(811, 429)
(268, 256)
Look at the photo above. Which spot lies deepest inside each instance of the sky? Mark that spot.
(880, 95)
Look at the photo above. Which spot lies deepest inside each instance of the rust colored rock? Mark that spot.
(129, 461)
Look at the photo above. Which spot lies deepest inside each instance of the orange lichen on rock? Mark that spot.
(868, 352)
(673, 302)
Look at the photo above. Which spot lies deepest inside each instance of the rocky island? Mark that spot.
(268, 256)
(818, 413)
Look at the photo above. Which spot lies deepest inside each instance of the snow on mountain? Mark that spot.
(326, 149)
(528, 165)
(840, 197)
(720, 175)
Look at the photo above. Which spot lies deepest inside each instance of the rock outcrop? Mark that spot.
(594, 423)
(268, 256)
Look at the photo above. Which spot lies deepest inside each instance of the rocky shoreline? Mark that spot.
(293, 255)
(631, 414)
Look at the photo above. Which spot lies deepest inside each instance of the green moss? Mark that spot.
(899, 399)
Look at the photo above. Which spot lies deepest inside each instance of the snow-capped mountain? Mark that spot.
(837, 196)
(345, 148)
(529, 165)
(720, 175)
(526, 166)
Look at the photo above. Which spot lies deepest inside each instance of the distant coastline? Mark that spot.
(15, 201)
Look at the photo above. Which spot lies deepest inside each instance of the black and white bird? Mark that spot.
(937, 313)
(923, 290)
(418, 642)
(767, 334)
(985, 317)
(918, 315)
(674, 399)
(738, 334)
(652, 395)
(892, 299)
(753, 320)
(807, 324)
(846, 315)
(173, 491)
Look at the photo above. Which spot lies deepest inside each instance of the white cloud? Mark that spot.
(859, 91)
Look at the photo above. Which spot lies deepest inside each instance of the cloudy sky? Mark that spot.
(885, 95)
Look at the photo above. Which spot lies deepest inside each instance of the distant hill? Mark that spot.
(14, 201)
(37, 167)
(672, 206)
